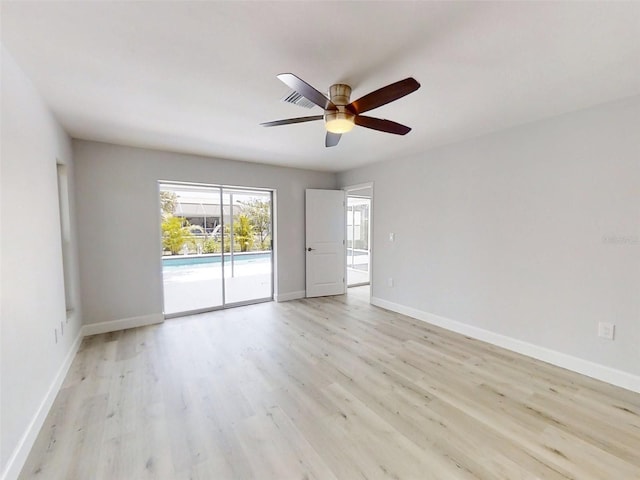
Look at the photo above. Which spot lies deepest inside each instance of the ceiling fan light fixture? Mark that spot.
(339, 122)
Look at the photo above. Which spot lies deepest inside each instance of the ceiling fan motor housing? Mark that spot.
(340, 120)
(339, 94)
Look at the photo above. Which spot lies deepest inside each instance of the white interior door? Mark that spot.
(325, 235)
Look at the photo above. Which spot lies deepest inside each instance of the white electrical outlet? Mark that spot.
(606, 330)
(389, 282)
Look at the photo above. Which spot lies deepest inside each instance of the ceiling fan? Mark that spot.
(340, 116)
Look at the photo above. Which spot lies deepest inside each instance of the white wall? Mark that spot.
(118, 218)
(532, 233)
(32, 292)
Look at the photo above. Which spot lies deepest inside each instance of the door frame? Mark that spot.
(355, 188)
(221, 187)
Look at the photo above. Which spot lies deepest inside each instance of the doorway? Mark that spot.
(358, 246)
(217, 247)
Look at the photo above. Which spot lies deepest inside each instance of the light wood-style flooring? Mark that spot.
(328, 388)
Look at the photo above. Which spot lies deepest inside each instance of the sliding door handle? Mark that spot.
(309, 249)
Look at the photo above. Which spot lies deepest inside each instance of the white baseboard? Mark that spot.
(579, 365)
(285, 297)
(123, 324)
(21, 452)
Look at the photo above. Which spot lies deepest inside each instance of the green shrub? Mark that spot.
(211, 245)
(243, 232)
(174, 234)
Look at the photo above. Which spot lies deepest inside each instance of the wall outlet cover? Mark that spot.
(606, 330)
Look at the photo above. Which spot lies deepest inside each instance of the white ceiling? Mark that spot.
(198, 77)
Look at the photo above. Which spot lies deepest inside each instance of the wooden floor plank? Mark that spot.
(327, 388)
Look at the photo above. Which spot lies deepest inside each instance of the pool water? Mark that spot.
(195, 260)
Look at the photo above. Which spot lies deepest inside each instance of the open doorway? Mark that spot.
(358, 244)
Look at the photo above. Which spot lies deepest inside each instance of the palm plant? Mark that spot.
(243, 232)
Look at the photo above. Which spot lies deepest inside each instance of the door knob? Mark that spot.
(309, 249)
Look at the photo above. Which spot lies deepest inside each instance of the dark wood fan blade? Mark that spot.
(382, 125)
(384, 95)
(306, 90)
(289, 121)
(332, 139)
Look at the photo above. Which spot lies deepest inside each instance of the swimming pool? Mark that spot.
(212, 258)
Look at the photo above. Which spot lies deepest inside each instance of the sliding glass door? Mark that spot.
(216, 247)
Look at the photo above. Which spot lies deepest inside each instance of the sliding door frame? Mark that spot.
(221, 188)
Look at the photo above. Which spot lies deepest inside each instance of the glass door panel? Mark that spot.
(248, 272)
(191, 243)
